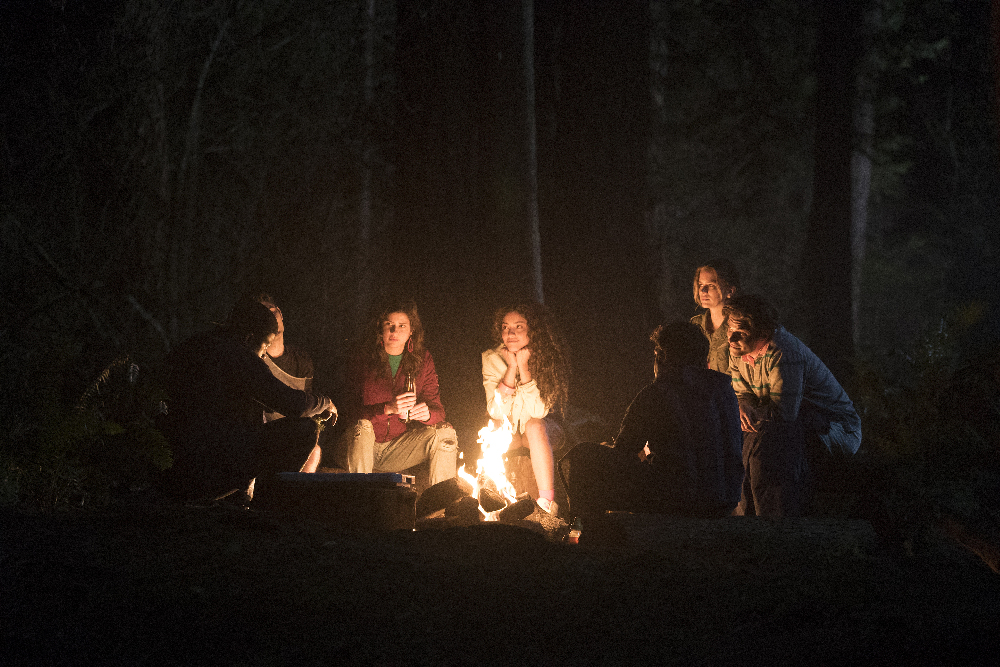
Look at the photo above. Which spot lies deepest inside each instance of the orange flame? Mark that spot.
(495, 439)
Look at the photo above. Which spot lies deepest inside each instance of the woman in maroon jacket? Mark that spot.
(394, 415)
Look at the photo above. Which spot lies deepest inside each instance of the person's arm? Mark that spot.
(494, 370)
(634, 431)
(428, 392)
(747, 401)
(533, 406)
(354, 403)
(785, 378)
(277, 396)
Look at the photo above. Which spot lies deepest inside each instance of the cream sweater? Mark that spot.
(525, 404)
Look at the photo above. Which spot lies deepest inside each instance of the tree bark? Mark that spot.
(826, 271)
(861, 160)
(363, 296)
(531, 152)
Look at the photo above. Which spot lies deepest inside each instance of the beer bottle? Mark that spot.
(409, 387)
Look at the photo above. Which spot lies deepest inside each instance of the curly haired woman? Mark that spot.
(529, 372)
(391, 427)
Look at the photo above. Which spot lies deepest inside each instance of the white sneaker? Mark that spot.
(550, 506)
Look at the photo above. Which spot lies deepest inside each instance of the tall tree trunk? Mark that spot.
(184, 202)
(364, 269)
(594, 89)
(861, 161)
(826, 269)
(995, 34)
(531, 152)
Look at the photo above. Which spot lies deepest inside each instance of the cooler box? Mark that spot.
(352, 501)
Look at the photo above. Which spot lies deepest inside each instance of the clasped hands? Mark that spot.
(517, 364)
(408, 401)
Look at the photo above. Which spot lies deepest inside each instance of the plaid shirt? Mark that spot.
(788, 379)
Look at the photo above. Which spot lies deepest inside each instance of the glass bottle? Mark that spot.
(410, 386)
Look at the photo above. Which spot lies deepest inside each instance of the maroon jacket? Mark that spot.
(369, 392)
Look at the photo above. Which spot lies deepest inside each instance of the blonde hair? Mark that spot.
(725, 273)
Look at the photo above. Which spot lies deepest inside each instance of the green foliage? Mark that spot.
(930, 414)
(83, 453)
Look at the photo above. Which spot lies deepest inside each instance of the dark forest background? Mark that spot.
(160, 157)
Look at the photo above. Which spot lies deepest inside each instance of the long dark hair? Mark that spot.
(375, 356)
(549, 360)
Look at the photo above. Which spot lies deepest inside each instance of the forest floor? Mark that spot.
(144, 584)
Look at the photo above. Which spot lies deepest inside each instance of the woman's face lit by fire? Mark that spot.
(711, 292)
(395, 332)
(514, 331)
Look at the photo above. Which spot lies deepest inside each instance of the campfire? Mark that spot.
(490, 486)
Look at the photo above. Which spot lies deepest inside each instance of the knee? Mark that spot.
(362, 433)
(535, 431)
(445, 439)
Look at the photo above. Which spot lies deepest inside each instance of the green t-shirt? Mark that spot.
(394, 361)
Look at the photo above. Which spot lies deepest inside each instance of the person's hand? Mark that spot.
(402, 402)
(522, 357)
(748, 417)
(326, 405)
(510, 358)
(420, 412)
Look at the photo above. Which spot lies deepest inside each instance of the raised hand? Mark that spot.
(522, 357)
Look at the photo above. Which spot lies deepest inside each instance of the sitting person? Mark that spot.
(288, 363)
(530, 370)
(292, 366)
(219, 388)
(390, 427)
(791, 407)
(715, 284)
(678, 449)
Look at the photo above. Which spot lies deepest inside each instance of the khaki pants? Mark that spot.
(439, 444)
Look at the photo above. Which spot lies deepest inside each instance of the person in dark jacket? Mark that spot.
(679, 447)
(293, 366)
(796, 418)
(219, 389)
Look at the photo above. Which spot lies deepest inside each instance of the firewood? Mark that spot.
(464, 512)
(514, 512)
(491, 500)
(440, 496)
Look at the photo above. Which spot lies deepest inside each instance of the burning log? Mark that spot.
(461, 513)
(464, 511)
(491, 500)
(515, 512)
(441, 496)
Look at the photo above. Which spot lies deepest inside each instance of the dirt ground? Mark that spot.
(153, 585)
